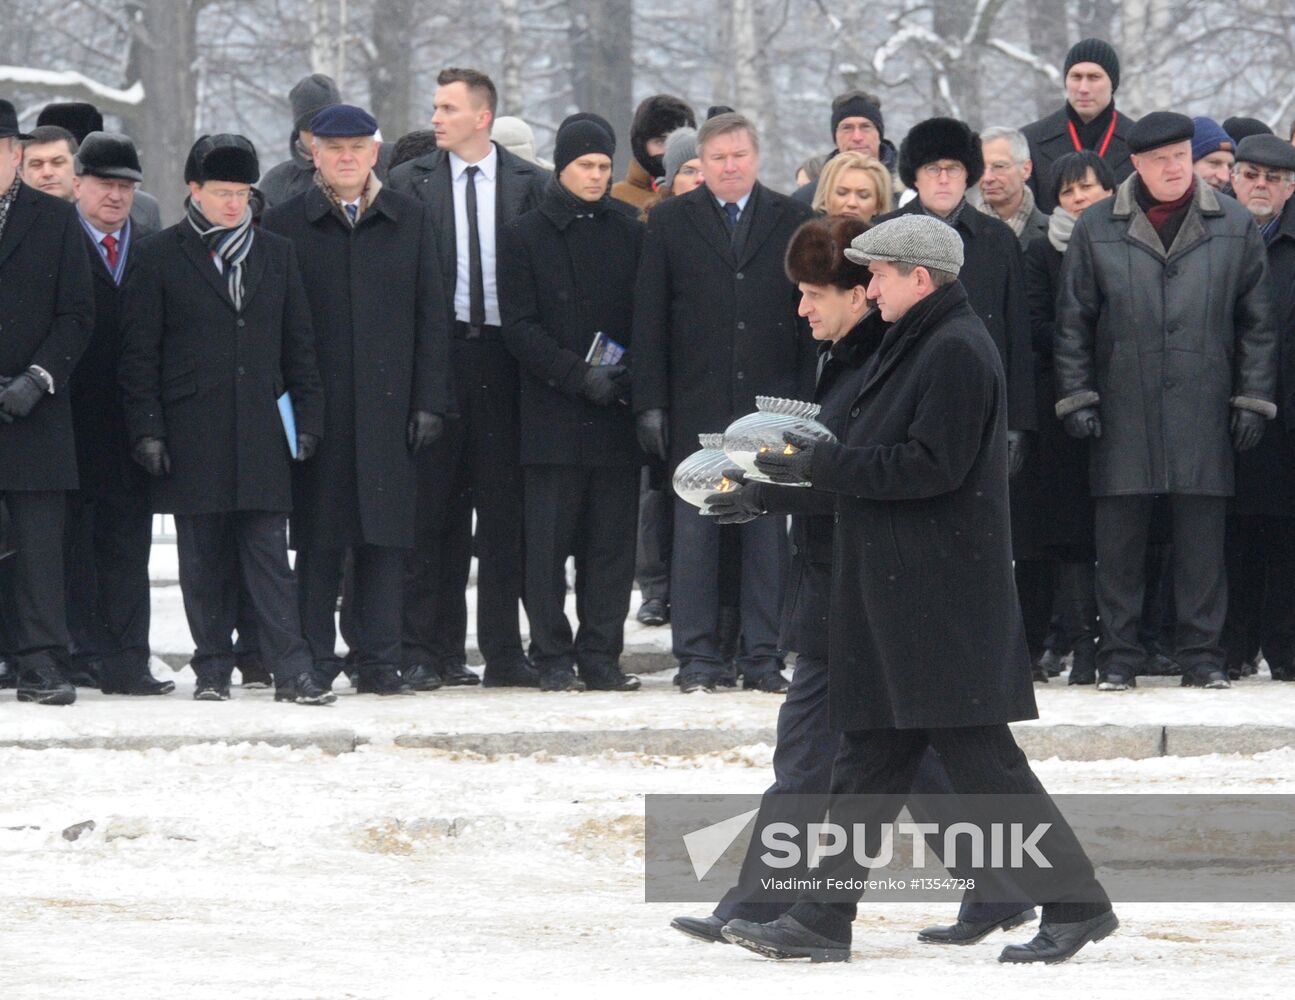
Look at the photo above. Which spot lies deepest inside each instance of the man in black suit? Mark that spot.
(371, 269)
(47, 311)
(715, 325)
(109, 520)
(474, 187)
(217, 338)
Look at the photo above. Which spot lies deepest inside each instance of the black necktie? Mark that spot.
(731, 212)
(476, 280)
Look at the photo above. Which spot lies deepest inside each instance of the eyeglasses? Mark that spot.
(688, 172)
(953, 171)
(1273, 177)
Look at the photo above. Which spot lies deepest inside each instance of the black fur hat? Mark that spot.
(108, 154)
(222, 157)
(656, 118)
(77, 117)
(816, 253)
(940, 139)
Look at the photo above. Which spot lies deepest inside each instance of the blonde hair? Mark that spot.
(870, 165)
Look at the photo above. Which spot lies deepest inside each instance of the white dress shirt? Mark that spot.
(485, 230)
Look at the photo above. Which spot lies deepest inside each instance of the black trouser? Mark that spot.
(1199, 585)
(1261, 591)
(696, 572)
(589, 513)
(876, 768)
(374, 605)
(655, 528)
(108, 537)
(38, 625)
(802, 767)
(1034, 585)
(473, 466)
(215, 550)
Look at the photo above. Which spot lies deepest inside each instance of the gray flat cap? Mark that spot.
(910, 239)
(1266, 151)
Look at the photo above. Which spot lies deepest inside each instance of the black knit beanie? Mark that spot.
(579, 138)
(857, 105)
(1094, 50)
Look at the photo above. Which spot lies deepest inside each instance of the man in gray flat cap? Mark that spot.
(926, 647)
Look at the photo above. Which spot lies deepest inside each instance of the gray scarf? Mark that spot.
(6, 202)
(1060, 225)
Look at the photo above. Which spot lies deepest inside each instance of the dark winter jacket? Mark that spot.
(566, 273)
(713, 328)
(889, 159)
(1165, 344)
(207, 377)
(381, 337)
(46, 318)
(1050, 139)
(925, 624)
(993, 275)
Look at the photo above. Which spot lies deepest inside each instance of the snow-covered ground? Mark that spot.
(254, 872)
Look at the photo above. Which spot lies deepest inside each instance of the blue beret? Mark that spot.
(341, 121)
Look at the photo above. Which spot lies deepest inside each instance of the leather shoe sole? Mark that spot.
(144, 686)
(64, 695)
(709, 929)
(964, 932)
(785, 938)
(1057, 943)
(458, 675)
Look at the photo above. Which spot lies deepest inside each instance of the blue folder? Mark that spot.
(289, 419)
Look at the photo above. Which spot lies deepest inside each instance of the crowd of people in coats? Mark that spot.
(393, 356)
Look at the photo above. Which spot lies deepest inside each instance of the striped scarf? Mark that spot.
(371, 188)
(230, 245)
(6, 202)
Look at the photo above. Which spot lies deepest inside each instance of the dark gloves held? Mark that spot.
(1083, 423)
(19, 397)
(307, 445)
(1018, 446)
(1247, 429)
(738, 505)
(653, 434)
(424, 428)
(606, 384)
(150, 452)
(789, 469)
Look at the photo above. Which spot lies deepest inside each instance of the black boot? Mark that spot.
(608, 677)
(513, 673)
(42, 683)
(136, 680)
(382, 679)
(560, 679)
(456, 674)
(1083, 665)
(786, 937)
(1076, 604)
(1057, 942)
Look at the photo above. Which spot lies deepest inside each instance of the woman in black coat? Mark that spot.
(1066, 528)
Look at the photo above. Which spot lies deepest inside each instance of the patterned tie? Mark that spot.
(353, 211)
(109, 244)
(731, 212)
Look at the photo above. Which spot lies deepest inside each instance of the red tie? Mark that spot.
(110, 245)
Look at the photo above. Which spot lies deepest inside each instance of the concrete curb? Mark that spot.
(1067, 742)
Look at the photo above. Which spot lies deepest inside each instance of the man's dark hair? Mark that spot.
(475, 80)
(1073, 168)
(42, 134)
(938, 278)
(412, 145)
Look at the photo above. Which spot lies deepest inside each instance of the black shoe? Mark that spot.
(458, 675)
(422, 677)
(706, 929)
(255, 676)
(1206, 677)
(43, 684)
(560, 679)
(964, 932)
(1116, 680)
(785, 937)
(771, 683)
(305, 689)
(1050, 663)
(518, 674)
(382, 679)
(688, 683)
(1057, 942)
(1083, 662)
(1159, 665)
(210, 688)
(85, 674)
(1038, 672)
(654, 611)
(609, 679)
(136, 682)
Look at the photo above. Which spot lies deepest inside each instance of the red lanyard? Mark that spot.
(1106, 140)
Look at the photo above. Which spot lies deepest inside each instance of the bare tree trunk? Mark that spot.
(602, 64)
(747, 60)
(162, 57)
(323, 51)
(1146, 30)
(390, 70)
(1046, 20)
(511, 94)
(951, 19)
(1096, 19)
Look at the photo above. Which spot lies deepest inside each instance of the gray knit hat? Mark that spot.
(680, 147)
(910, 239)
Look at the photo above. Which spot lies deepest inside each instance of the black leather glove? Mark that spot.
(1083, 423)
(653, 434)
(738, 505)
(605, 384)
(20, 396)
(792, 469)
(424, 428)
(151, 453)
(1018, 446)
(307, 445)
(1247, 429)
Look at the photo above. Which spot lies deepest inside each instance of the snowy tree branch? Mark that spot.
(69, 83)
